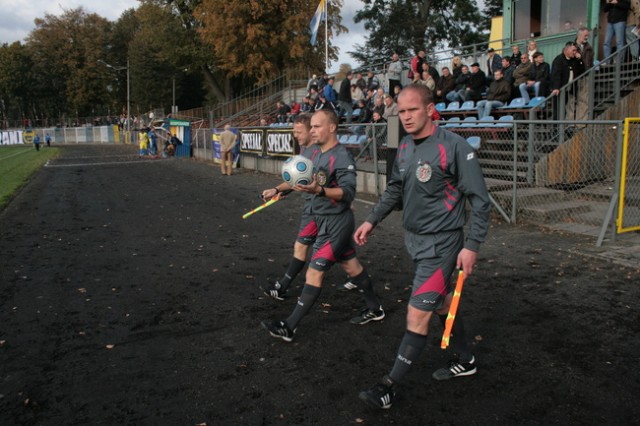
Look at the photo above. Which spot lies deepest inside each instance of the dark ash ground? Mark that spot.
(128, 295)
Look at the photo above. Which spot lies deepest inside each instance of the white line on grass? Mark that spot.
(14, 154)
(107, 163)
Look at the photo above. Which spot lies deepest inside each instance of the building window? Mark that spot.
(536, 18)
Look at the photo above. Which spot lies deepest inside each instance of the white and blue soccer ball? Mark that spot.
(297, 170)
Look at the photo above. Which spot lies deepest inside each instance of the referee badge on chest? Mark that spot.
(321, 178)
(424, 172)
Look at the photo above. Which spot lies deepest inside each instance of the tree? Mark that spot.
(16, 89)
(256, 41)
(407, 26)
(66, 74)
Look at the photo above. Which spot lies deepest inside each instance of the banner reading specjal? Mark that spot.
(11, 137)
(272, 143)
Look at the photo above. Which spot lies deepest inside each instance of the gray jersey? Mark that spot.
(432, 180)
(334, 169)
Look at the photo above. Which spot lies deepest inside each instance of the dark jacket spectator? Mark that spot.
(444, 85)
(564, 66)
(477, 83)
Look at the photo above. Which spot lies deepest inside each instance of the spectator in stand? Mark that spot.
(307, 105)
(390, 107)
(426, 80)
(494, 62)
(295, 110)
(376, 136)
(365, 112)
(396, 92)
(344, 97)
(394, 72)
(617, 11)
(282, 111)
(515, 55)
(379, 93)
(356, 93)
(585, 54)
(361, 83)
(498, 95)
(313, 81)
(416, 65)
(322, 82)
(507, 69)
(476, 85)
(370, 98)
(329, 93)
(585, 50)
(432, 71)
(564, 69)
(522, 72)
(372, 81)
(322, 103)
(456, 66)
(532, 48)
(461, 84)
(538, 82)
(507, 75)
(378, 106)
(632, 31)
(313, 94)
(445, 84)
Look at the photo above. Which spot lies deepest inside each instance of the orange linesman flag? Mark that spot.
(455, 301)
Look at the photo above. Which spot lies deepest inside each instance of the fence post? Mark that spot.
(514, 195)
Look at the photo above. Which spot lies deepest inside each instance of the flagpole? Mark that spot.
(326, 35)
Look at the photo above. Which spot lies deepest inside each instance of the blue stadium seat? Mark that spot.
(504, 121)
(453, 106)
(343, 138)
(486, 121)
(534, 102)
(353, 140)
(515, 103)
(469, 122)
(468, 105)
(440, 106)
(474, 141)
(452, 122)
(356, 112)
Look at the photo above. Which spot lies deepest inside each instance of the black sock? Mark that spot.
(458, 338)
(303, 306)
(363, 281)
(295, 266)
(410, 349)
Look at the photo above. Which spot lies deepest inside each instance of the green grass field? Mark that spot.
(17, 164)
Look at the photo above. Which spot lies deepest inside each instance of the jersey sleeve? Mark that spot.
(471, 184)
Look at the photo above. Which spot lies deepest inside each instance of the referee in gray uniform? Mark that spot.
(435, 172)
(333, 190)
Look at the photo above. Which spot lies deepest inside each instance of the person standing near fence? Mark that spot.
(617, 11)
(632, 32)
(434, 174)
(36, 142)
(47, 139)
(227, 143)
(394, 72)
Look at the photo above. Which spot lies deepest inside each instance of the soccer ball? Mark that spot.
(297, 170)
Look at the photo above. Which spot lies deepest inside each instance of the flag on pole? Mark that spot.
(315, 22)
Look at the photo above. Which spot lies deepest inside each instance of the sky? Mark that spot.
(16, 19)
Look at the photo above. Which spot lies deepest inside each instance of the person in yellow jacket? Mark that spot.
(143, 142)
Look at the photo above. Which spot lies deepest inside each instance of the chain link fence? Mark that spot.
(559, 173)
